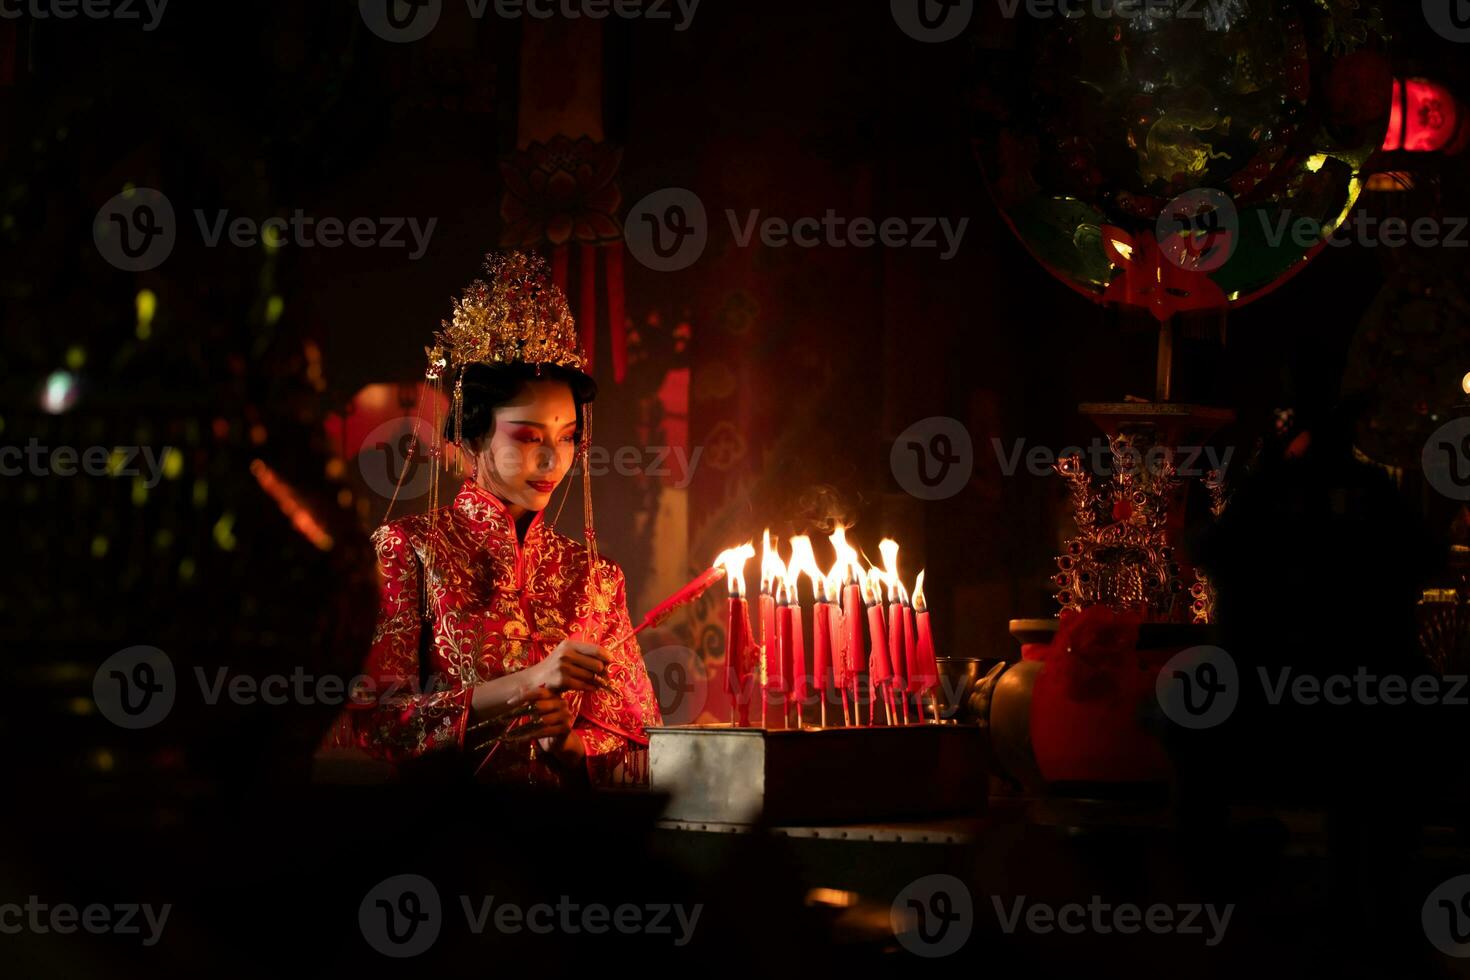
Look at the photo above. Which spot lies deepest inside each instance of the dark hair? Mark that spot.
(489, 386)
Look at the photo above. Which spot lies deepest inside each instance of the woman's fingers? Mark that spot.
(555, 721)
(526, 694)
(591, 650)
(550, 708)
(573, 678)
(594, 673)
(531, 731)
(586, 661)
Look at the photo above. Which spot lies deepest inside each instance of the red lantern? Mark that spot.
(1425, 117)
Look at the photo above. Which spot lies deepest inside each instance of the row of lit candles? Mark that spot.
(900, 663)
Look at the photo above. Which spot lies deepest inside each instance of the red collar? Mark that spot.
(472, 497)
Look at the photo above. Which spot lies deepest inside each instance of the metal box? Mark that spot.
(724, 774)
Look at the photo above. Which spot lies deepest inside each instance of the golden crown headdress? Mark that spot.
(518, 315)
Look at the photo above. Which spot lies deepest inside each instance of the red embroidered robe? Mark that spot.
(496, 605)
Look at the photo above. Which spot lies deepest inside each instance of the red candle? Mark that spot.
(880, 670)
(738, 661)
(837, 637)
(880, 663)
(768, 625)
(821, 638)
(782, 674)
(799, 686)
(772, 569)
(895, 652)
(928, 663)
(918, 684)
(738, 666)
(852, 620)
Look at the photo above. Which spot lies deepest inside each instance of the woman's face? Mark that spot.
(531, 447)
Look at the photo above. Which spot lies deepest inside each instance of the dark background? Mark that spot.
(791, 108)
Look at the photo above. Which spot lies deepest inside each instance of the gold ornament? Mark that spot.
(518, 316)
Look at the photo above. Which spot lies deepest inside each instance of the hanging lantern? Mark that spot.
(1425, 117)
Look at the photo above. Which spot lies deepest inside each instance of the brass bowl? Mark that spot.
(958, 677)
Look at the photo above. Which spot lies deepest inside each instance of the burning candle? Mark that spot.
(796, 657)
(880, 668)
(764, 682)
(895, 653)
(888, 548)
(928, 662)
(771, 569)
(852, 616)
(738, 665)
(853, 613)
(785, 649)
(842, 670)
(803, 562)
(821, 642)
(918, 684)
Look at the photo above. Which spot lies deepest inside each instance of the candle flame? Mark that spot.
(888, 548)
(867, 581)
(834, 584)
(847, 556)
(919, 603)
(882, 587)
(803, 562)
(733, 560)
(772, 567)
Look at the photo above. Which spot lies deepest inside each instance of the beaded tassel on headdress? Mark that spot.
(587, 528)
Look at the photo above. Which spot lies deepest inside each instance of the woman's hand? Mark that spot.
(550, 724)
(567, 750)
(548, 718)
(573, 666)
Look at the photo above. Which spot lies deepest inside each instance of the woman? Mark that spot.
(499, 637)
